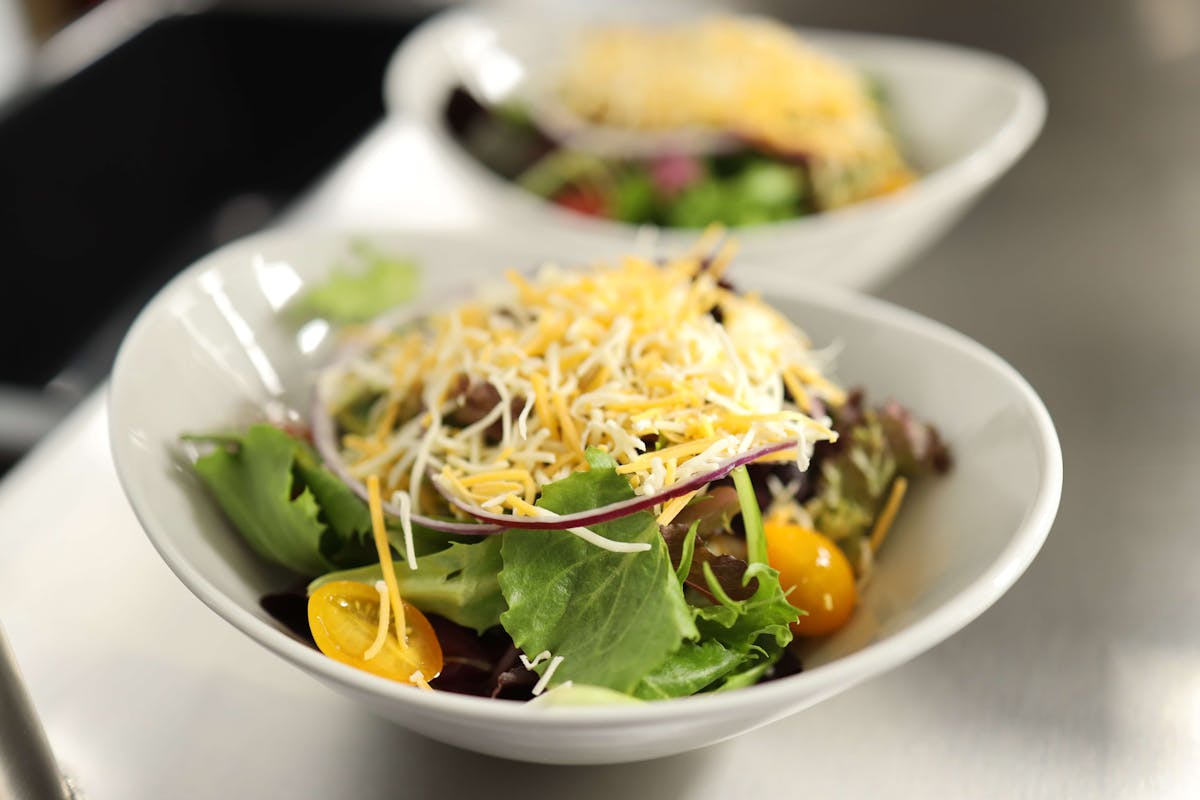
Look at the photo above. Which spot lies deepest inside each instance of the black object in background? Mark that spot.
(198, 129)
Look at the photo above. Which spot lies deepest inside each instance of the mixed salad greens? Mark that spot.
(786, 132)
(631, 480)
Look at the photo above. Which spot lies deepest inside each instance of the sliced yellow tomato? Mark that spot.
(817, 572)
(344, 618)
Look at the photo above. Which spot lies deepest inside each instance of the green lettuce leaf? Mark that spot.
(740, 640)
(745, 627)
(287, 507)
(348, 539)
(613, 617)
(758, 624)
(749, 673)
(459, 583)
(689, 669)
(361, 292)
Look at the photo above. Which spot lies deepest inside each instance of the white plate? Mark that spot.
(964, 117)
(214, 349)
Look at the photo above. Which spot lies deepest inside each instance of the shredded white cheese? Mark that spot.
(530, 663)
(544, 681)
(403, 501)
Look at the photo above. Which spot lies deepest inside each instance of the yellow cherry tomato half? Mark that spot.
(820, 573)
(344, 619)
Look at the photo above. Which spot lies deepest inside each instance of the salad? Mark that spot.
(727, 120)
(629, 481)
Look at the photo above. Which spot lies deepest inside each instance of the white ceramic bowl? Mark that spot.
(213, 350)
(963, 117)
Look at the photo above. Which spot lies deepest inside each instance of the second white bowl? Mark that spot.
(963, 117)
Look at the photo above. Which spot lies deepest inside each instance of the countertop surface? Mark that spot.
(1081, 268)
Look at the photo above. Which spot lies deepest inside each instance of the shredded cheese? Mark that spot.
(628, 357)
(672, 508)
(883, 523)
(529, 663)
(375, 506)
(402, 500)
(544, 681)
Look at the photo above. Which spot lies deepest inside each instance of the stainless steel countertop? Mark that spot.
(1082, 268)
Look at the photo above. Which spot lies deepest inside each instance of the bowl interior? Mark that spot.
(218, 347)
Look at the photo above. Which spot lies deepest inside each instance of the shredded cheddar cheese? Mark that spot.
(375, 506)
(671, 508)
(883, 523)
(657, 364)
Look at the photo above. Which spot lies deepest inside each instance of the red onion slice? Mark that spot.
(613, 510)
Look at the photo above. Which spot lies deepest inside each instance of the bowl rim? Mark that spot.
(960, 178)
(871, 660)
